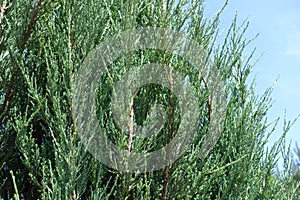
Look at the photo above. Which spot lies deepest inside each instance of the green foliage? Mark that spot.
(42, 46)
(297, 164)
(294, 173)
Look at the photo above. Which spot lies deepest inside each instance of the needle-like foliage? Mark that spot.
(43, 45)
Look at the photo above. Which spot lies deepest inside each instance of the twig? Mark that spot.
(225, 166)
(171, 115)
(31, 24)
(130, 126)
(131, 123)
(208, 146)
(9, 93)
(16, 196)
(208, 100)
(2, 9)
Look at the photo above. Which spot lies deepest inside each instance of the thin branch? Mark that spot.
(8, 97)
(31, 24)
(170, 131)
(131, 123)
(2, 9)
(209, 107)
(225, 166)
(208, 100)
(130, 127)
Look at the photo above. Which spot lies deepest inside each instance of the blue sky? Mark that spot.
(278, 25)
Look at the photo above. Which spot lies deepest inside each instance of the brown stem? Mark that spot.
(130, 126)
(208, 100)
(31, 24)
(9, 93)
(209, 111)
(131, 123)
(170, 131)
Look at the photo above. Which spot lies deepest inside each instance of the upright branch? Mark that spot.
(170, 133)
(130, 126)
(131, 123)
(208, 100)
(209, 113)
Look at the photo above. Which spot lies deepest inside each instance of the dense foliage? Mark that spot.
(43, 45)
